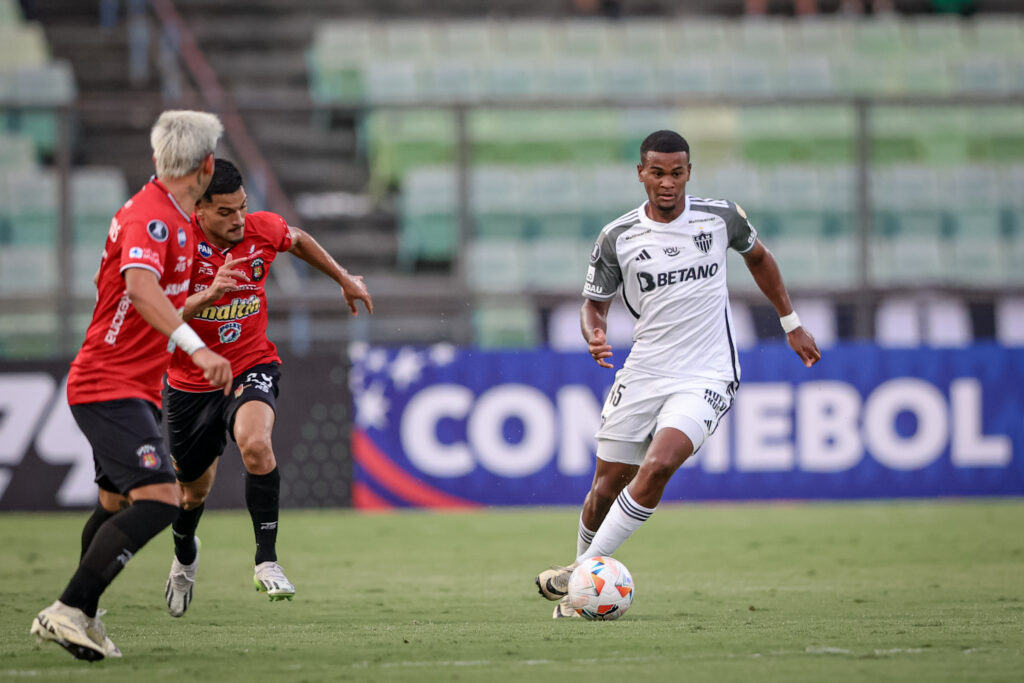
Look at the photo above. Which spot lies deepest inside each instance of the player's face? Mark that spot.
(664, 175)
(223, 218)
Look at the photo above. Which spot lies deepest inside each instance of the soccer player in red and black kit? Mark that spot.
(228, 307)
(115, 381)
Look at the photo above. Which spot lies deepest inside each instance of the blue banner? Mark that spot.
(450, 427)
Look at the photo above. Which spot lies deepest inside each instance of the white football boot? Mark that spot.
(564, 609)
(269, 578)
(180, 583)
(98, 632)
(554, 583)
(69, 628)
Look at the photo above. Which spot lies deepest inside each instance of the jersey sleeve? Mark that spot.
(276, 230)
(604, 275)
(144, 244)
(742, 234)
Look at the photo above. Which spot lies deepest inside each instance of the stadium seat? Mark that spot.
(556, 265)
(498, 201)
(33, 210)
(17, 152)
(96, 194)
(496, 264)
(429, 227)
(22, 45)
(505, 324)
(28, 269)
(468, 37)
(556, 202)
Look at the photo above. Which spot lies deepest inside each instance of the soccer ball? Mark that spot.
(601, 588)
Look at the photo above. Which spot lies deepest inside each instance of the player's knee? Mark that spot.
(192, 498)
(257, 455)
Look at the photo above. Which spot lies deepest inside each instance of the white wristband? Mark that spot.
(790, 322)
(186, 339)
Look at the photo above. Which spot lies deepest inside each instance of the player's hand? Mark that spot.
(354, 289)
(227, 278)
(600, 349)
(801, 341)
(216, 368)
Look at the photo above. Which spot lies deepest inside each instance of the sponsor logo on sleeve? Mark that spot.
(205, 250)
(591, 288)
(590, 273)
(182, 237)
(595, 253)
(135, 252)
(158, 230)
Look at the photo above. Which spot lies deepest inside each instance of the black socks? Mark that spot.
(262, 495)
(114, 543)
(184, 531)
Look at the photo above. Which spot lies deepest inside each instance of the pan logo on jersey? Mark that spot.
(229, 332)
(258, 269)
(148, 457)
(236, 310)
(205, 250)
(182, 237)
(158, 230)
(703, 241)
(651, 281)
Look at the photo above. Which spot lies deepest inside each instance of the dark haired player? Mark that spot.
(228, 308)
(668, 259)
(115, 380)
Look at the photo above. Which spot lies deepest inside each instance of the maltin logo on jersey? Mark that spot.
(258, 269)
(205, 250)
(229, 332)
(158, 230)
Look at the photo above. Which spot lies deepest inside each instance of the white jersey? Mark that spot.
(672, 278)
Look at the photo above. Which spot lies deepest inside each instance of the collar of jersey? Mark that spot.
(647, 222)
(156, 181)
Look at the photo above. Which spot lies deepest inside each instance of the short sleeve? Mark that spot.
(742, 234)
(603, 275)
(144, 244)
(275, 229)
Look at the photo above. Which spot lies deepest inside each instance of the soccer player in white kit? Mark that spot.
(667, 258)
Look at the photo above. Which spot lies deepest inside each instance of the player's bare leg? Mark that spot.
(253, 431)
(635, 504)
(180, 585)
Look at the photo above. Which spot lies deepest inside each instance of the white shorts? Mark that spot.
(639, 404)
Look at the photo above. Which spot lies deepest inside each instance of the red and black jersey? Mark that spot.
(235, 326)
(123, 356)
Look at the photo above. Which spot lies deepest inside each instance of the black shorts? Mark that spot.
(127, 446)
(198, 424)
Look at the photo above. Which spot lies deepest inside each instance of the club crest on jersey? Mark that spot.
(148, 457)
(258, 269)
(182, 237)
(703, 241)
(239, 389)
(229, 332)
(158, 230)
(205, 250)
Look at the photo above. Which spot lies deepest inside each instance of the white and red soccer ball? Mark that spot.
(601, 588)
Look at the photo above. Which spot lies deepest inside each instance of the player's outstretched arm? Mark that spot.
(149, 300)
(594, 324)
(352, 286)
(765, 270)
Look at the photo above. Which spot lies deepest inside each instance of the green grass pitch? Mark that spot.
(905, 591)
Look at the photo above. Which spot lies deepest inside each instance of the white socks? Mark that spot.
(623, 519)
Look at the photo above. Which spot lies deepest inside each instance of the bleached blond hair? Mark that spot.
(181, 139)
